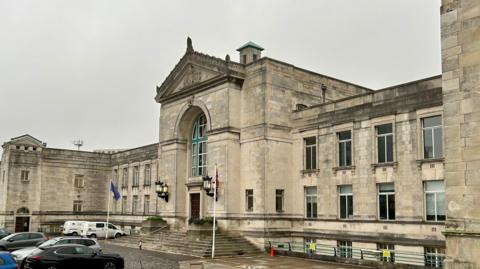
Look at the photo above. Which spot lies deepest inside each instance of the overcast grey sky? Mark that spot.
(88, 68)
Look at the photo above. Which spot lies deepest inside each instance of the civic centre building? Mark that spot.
(300, 156)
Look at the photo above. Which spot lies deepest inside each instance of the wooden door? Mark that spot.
(22, 224)
(195, 205)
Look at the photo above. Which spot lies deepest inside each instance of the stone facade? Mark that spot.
(254, 124)
(461, 75)
(42, 180)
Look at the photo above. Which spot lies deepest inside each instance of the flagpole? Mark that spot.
(108, 209)
(214, 203)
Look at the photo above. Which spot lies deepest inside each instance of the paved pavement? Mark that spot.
(144, 259)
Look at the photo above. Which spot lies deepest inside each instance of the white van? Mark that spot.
(72, 227)
(99, 229)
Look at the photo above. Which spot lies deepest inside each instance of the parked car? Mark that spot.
(73, 257)
(21, 240)
(99, 229)
(21, 254)
(3, 233)
(7, 261)
(71, 227)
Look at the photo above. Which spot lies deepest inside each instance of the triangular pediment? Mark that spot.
(191, 74)
(195, 70)
(26, 140)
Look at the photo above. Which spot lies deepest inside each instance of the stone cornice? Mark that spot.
(199, 87)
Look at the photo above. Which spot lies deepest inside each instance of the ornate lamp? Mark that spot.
(161, 188)
(208, 185)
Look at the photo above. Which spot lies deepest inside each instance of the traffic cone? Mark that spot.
(272, 251)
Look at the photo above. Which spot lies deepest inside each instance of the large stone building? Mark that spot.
(300, 156)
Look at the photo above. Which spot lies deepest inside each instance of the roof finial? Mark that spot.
(189, 45)
(227, 58)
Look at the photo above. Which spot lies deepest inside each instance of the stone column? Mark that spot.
(461, 97)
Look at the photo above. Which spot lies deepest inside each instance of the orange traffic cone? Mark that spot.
(272, 251)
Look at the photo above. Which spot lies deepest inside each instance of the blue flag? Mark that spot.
(116, 193)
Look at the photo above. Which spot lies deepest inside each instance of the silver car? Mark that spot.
(21, 254)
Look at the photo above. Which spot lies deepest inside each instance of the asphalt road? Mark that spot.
(144, 259)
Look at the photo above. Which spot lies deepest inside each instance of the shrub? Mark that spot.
(155, 218)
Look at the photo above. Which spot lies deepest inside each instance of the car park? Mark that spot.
(72, 227)
(21, 240)
(99, 230)
(21, 254)
(73, 257)
(7, 261)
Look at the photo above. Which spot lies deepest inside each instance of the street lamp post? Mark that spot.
(161, 188)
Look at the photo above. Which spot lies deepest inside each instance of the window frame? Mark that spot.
(125, 177)
(124, 205)
(136, 176)
(147, 177)
(385, 136)
(77, 206)
(340, 148)
(24, 175)
(279, 194)
(135, 201)
(434, 256)
(345, 248)
(313, 200)
(79, 179)
(146, 204)
(425, 192)
(387, 194)
(198, 141)
(345, 196)
(432, 130)
(312, 165)
(249, 198)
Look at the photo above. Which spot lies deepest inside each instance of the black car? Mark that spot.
(73, 257)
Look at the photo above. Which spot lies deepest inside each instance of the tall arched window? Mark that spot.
(199, 146)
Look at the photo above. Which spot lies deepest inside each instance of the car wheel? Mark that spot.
(109, 265)
(93, 236)
(74, 233)
(117, 235)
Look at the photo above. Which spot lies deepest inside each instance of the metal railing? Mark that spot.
(374, 255)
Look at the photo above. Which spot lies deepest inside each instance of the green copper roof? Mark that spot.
(252, 45)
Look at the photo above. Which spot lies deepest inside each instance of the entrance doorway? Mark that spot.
(22, 224)
(195, 205)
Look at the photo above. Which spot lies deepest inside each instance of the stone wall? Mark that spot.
(461, 75)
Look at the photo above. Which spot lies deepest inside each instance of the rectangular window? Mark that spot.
(77, 206)
(279, 200)
(432, 137)
(384, 143)
(147, 179)
(125, 178)
(344, 148)
(115, 176)
(146, 204)
(311, 202)
(124, 204)
(434, 257)
(244, 58)
(387, 253)
(136, 176)
(344, 249)
(24, 175)
(346, 202)
(134, 204)
(79, 181)
(386, 201)
(249, 200)
(434, 200)
(310, 144)
(255, 57)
